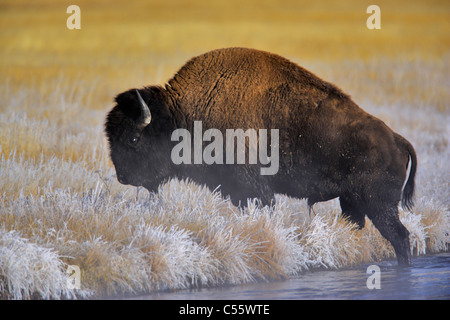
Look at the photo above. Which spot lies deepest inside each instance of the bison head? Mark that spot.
(138, 129)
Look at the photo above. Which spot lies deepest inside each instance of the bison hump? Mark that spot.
(243, 71)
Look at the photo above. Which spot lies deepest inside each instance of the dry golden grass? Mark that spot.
(60, 203)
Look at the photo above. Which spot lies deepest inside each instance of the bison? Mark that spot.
(328, 146)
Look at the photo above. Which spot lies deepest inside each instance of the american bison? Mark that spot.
(328, 146)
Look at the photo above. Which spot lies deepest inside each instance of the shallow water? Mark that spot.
(427, 278)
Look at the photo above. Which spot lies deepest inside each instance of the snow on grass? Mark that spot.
(28, 270)
(129, 246)
(61, 205)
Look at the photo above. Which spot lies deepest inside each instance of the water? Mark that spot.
(427, 278)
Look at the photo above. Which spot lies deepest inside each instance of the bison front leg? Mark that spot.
(244, 184)
(390, 227)
(353, 211)
(240, 193)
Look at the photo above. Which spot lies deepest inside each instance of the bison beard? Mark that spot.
(328, 146)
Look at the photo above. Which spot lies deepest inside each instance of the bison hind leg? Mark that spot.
(388, 223)
(385, 218)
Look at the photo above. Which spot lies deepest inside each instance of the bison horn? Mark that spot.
(146, 117)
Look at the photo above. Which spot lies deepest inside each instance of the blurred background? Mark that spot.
(121, 42)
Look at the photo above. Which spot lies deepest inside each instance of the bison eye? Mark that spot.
(133, 141)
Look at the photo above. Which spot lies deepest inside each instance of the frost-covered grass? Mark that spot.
(183, 236)
(61, 205)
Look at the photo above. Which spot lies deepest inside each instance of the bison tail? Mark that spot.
(408, 189)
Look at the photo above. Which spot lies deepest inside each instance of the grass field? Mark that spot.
(60, 203)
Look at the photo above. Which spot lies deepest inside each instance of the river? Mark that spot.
(427, 278)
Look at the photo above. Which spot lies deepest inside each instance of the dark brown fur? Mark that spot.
(329, 147)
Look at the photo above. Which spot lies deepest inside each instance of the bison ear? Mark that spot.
(157, 102)
(145, 105)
